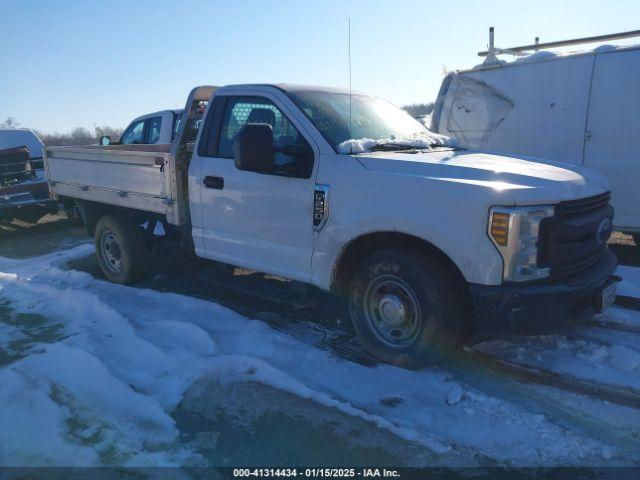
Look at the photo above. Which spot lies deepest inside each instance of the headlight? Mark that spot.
(515, 232)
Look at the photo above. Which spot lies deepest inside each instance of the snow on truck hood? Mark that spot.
(529, 181)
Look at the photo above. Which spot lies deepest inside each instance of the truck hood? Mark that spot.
(525, 179)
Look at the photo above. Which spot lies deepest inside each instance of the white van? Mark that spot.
(579, 108)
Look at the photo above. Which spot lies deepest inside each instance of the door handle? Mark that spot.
(214, 182)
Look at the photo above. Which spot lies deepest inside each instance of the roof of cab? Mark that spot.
(288, 87)
(155, 114)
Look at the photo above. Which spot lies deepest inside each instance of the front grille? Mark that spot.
(569, 241)
(574, 207)
(15, 165)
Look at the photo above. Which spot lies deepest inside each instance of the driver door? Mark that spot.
(257, 220)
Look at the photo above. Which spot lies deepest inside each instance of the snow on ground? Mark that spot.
(630, 284)
(630, 287)
(616, 364)
(101, 390)
(596, 354)
(620, 316)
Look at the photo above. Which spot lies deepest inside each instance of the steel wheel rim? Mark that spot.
(392, 311)
(111, 252)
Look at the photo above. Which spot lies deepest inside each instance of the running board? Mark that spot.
(269, 288)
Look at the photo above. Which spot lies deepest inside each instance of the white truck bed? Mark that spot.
(141, 177)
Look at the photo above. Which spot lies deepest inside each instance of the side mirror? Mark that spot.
(253, 148)
(105, 140)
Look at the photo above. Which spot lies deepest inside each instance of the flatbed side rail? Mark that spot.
(138, 178)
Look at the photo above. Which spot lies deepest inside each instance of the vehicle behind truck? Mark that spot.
(24, 192)
(425, 241)
(578, 108)
(154, 128)
(149, 129)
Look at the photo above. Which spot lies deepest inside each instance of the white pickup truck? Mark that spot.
(349, 193)
(157, 127)
(149, 129)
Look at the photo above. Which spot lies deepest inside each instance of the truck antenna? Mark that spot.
(349, 48)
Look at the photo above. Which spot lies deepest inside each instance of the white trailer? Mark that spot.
(579, 108)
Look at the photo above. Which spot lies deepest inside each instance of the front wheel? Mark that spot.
(120, 249)
(406, 307)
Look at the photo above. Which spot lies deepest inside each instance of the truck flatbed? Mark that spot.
(133, 177)
(149, 178)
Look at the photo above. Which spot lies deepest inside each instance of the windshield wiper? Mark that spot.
(390, 146)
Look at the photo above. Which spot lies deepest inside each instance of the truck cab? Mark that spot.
(347, 192)
(155, 128)
(149, 129)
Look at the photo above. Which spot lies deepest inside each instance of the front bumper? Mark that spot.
(538, 307)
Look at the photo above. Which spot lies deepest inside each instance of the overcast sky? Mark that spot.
(69, 63)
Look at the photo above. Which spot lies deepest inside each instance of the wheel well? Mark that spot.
(365, 245)
(92, 212)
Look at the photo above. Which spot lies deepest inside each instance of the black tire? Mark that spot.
(412, 293)
(120, 249)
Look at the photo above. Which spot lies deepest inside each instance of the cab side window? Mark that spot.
(134, 134)
(155, 124)
(242, 110)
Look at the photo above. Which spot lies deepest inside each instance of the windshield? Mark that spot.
(375, 123)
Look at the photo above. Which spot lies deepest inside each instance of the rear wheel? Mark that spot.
(406, 307)
(120, 249)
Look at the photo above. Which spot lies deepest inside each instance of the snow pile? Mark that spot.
(426, 140)
(101, 391)
(541, 55)
(624, 358)
(593, 354)
(630, 284)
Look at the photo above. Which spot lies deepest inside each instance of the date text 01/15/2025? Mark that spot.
(316, 473)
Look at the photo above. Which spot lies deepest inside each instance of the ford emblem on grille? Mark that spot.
(604, 231)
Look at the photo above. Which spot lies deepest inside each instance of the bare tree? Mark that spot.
(419, 109)
(78, 136)
(114, 133)
(10, 123)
